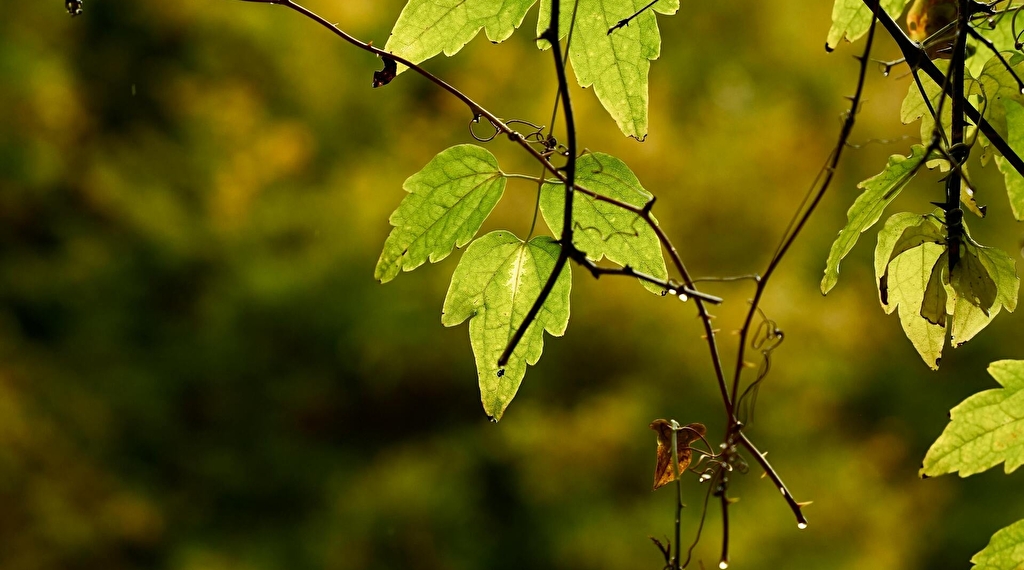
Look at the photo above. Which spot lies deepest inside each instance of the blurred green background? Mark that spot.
(198, 371)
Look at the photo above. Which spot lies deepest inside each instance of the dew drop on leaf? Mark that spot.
(801, 526)
(723, 565)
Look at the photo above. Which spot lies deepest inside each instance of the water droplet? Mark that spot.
(801, 526)
(723, 565)
(885, 72)
(683, 297)
(705, 477)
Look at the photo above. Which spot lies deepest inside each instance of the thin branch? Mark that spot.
(801, 521)
(551, 34)
(625, 21)
(673, 288)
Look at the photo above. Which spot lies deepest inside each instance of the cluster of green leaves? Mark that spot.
(615, 64)
(938, 301)
(984, 280)
(500, 276)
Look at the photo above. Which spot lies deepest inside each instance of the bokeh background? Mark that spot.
(198, 371)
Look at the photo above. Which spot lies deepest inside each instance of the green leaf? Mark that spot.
(909, 276)
(603, 229)
(1015, 138)
(852, 18)
(902, 232)
(985, 281)
(1001, 37)
(616, 64)
(997, 87)
(879, 191)
(971, 281)
(933, 304)
(1005, 551)
(429, 27)
(1003, 271)
(448, 201)
(985, 430)
(496, 282)
(914, 106)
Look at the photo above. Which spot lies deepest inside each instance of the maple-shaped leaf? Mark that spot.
(1004, 552)
(495, 284)
(664, 470)
(429, 27)
(617, 64)
(984, 430)
(448, 201)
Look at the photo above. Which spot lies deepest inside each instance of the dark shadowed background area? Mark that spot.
(198, 371)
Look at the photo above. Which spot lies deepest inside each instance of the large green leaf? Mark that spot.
(429, 27)
(616, 64)
(909, 276)
(879, 191)
(984, 430)
(496, 282)
(448, 201)
(1014, 181)
(602, 229)
(852, 18)
(1005, 551)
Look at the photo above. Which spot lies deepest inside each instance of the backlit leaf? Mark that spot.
(879, 191)
(902, 232)
(933, 304)
(1014, 181)
(852, 18)
(985, 430)
(616, 64)
(429, 27)
(997, 87)
(603, 229)
(909, 274)
(1004, 552)
(496, 282)
(448, 201)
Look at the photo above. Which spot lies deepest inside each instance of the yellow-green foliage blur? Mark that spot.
(198, 371)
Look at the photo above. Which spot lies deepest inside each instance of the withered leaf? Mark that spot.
(384, 76)
(664, 471)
